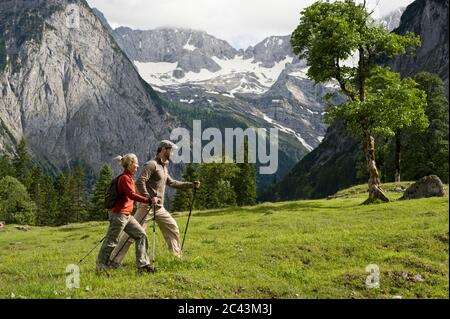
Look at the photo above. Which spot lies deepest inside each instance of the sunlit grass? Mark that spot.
(301, 249)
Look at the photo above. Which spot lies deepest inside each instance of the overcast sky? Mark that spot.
(240, 22)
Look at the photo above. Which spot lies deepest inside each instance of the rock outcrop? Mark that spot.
(428, 186)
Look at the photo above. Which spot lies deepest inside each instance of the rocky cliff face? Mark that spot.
(270, 51)
(68, 88)
(429, 20)
(392, 19)
(192, 50)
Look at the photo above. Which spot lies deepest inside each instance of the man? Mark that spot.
(152, 183)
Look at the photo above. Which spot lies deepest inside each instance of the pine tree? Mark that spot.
(97, 210)
(65, 204)
(245, 182)
(245, 185)
(22, 164)
(182, 199)
(79, 194)
(426, 153)
(49, 211)
(217, 189)
(6, 167)
(43, 193)
(37, 193)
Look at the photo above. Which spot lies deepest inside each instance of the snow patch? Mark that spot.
(331, 85)
(228, 94)
(288, 131)
(312, 111)
(187, 101)
(301, 74)
(160, 73)
(297, 93)
(188, 46)
(157, 89)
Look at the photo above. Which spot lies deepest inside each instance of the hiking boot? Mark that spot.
(146, 269)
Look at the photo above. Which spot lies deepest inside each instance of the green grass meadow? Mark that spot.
(288, 250)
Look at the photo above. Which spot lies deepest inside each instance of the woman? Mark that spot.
(120, 218)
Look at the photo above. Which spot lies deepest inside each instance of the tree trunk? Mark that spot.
(398, 155)
(375, 191)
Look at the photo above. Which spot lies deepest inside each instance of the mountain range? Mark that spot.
(266, 81)
(79, 91)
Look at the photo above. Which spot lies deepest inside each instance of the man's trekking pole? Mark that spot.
(154, 238)
(187, 224)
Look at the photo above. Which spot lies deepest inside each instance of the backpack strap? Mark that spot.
(119, 194)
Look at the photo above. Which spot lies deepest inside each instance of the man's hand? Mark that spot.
(153, 200)
(197, 184)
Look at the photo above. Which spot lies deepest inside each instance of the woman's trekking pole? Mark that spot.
(187, 224)
(81, 260)
(154, 238)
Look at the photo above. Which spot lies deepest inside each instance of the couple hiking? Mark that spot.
(151, 186)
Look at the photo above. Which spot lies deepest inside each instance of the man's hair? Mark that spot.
(160, 149)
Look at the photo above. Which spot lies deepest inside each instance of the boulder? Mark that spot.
(428, 186)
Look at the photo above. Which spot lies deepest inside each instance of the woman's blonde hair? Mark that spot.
(126, 160)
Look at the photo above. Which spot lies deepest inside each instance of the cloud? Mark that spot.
(240, 22)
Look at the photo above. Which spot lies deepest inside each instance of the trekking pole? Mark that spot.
(187, 224)
(82, 259)
(154, 238)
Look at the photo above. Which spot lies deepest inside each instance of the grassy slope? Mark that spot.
(303, 249)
